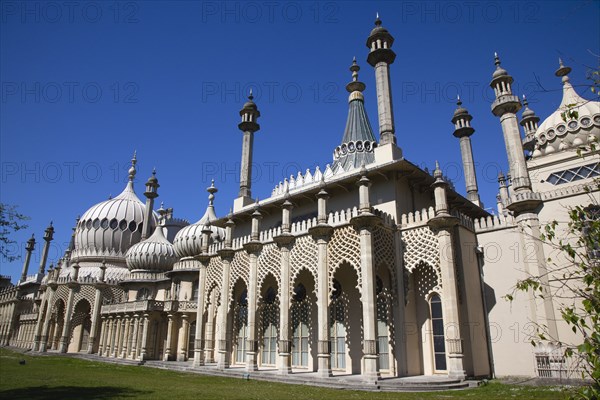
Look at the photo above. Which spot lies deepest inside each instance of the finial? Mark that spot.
(562, 71)
(162, 205)
(132, 171)
(230, 215)
(211, 190)
(250, 96)
(525, 102)
(458, 101)
(437, 173)
(496, 59)
(110, 196)
(377, 20)
(153, 170)
(354, 68)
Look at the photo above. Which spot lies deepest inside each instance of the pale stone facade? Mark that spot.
(371, 266)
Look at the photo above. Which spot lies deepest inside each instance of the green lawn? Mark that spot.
(53, 377)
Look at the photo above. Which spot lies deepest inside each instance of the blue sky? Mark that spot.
(84, 84)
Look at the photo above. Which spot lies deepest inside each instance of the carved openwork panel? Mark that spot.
(240, 268)
(344, 247)
(303, 255)
(213, 273)
(269, 261)
(420, 245)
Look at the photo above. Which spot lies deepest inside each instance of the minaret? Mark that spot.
(29, 248)
(248, 126)
(529, 122)
(380, 57)
(463, 130)
(151, 193)
(48, 236)
(506, 107)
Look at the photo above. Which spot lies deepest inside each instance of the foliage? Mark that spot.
(10, 222)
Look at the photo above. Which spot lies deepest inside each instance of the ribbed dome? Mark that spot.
(576, 122)
(154, 254)
(111, 227)
(188, 241)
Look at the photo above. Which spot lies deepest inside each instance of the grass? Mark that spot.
(55, 377)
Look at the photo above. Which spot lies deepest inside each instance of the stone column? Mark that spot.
(364, 224)
(146, 321)
(224, 334)
(170, 327)
(134, 339)
(64, 340)
(39, 326)
(110, 338)
(199, 334)
(209, 342)
(285, 242)
(126, 333)
(118, 329)
(183, 338)
(48, 236)
(103, 332)
(29, 248)
(321, 234)
(443, 224)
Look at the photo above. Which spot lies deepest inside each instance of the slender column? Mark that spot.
(29, 248)
(285, 243)
(209, 343)
(248, 126)
(199, 334)
(64, 340)
(223, 332)
(126, 333)
(321, 234)
(134, 339)
(364, 224)
(143, 355)
(183, 338)
(39, 326)
(97, 308)
(170, 327)
(151, 193)
(48, 236)
(103, 328)
(253, 249)
(443, 223)
(118, 332)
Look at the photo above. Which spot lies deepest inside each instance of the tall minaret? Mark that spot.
(506, 106)
(380, 57)
(463, 130)
(529, 122)
(151, 193)
(29, 248)
(248, 126)
(48, 236)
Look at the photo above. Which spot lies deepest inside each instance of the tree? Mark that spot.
(10, 221)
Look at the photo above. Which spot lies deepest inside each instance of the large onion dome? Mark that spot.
(188, 241)
(108, 229)
(155, 254)
(575, 123)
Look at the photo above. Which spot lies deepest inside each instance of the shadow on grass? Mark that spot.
(70, 392)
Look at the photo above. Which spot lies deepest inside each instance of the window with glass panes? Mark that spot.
(338, 330)
(269, 317)
(300, 319)
(437, 328)
(241, 315)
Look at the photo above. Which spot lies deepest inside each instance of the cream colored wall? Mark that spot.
(511, 324)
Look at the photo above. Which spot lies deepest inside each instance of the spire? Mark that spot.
(463, 130)
(358, 142)
(209, 214)
(529, 122)
(132, 170)
(248, 126)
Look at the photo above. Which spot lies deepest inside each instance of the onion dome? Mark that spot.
(155, 254)
(358, 144)
(188, 241)
(575, 123)
(380, 43)
(108, 229)
(499, 70)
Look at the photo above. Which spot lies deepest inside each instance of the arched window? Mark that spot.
(338, 329)
(241, 316)
(269, 317)
(300, 318)
(382, 326)
(437, 329)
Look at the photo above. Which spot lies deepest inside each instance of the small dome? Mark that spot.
(572, 124)
(188, 241)
(155, 254)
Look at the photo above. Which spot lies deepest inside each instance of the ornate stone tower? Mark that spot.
(248, 126)
(463, 130)
(151, 193)
(522, 201)
(380, 57)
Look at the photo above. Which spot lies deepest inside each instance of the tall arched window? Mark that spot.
(241, 316)
(437, 329)
(382, 327)
(269, 317)
(300, 318)
(338, 329)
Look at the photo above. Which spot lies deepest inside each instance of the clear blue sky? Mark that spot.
(86, 83)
